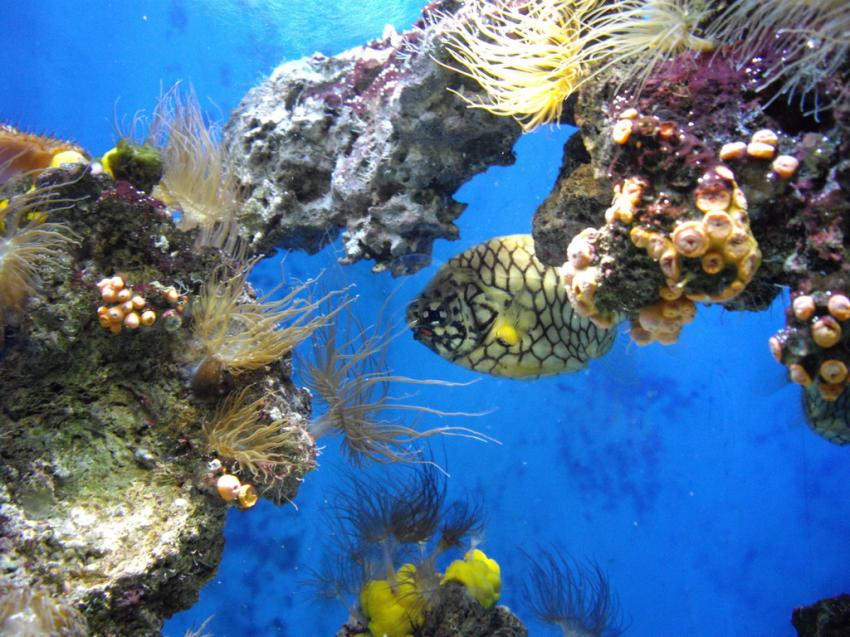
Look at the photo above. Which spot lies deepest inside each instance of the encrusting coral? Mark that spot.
(692, 223)
(117, 462)
(814, 343)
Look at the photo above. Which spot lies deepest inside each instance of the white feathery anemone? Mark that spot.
(640, 34)
(530, 56)
(525, 55)
(27, 242)
(197, 174)
(810, 37)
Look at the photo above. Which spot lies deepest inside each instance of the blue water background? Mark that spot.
(686, 472)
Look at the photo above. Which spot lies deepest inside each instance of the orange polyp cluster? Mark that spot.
(716, 234)
(662, 321)
(581, 273)
(762, 145)
(814, 343)
(699, 236)
(125, 309)
(22, 152)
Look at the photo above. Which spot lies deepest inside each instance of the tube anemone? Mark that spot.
(572, 595)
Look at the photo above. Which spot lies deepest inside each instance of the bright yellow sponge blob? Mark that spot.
(68, 157)
(480, 574)
(106, 161)
(393, 610)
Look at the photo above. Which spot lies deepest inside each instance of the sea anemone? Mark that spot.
(811, 41)
(636, 36)
(238, 333)
(197, 174)
(27, 244)
(350, 381)
(200, 630)
(33, 612)
(530, 56)
(390, 533)
(573, 596)
(525, 55)
(241, 432)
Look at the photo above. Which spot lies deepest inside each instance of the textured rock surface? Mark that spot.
(457, 614)
(370, 141)
(826, 618)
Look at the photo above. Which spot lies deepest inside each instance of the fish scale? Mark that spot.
(495, 308)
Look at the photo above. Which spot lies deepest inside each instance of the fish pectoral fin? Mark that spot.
(508, 336)
(506, 333)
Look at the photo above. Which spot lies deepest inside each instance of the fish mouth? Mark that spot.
(423, 333)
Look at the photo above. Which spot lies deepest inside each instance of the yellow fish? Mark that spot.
(496, 309)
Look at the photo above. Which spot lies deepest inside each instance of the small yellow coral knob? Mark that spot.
(718, 225)
(132, 321)
(712, 198)
(393, 609)
(713, 262)
(775, 346)
(622, 131)
(826, 331)
(765, 136)
(106, 161)
(803, 307)
(760, 150)
(108, 294)
(839, 306)
(690, 239)
(785, 166)
(670, 265)
(833, 371)
(228, 486)
(247, 496)
(798, 374)
(67, 157)
(733, 150)
(148, 318)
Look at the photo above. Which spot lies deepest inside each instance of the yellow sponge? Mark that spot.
(393, 610)
(480, 574)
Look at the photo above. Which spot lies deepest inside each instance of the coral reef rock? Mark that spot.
(108, 506)
(370, 141)
(826, 618)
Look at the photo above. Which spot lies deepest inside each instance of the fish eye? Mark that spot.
(433, 315)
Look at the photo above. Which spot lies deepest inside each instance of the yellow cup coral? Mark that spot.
(479, 574)
(393, 609)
